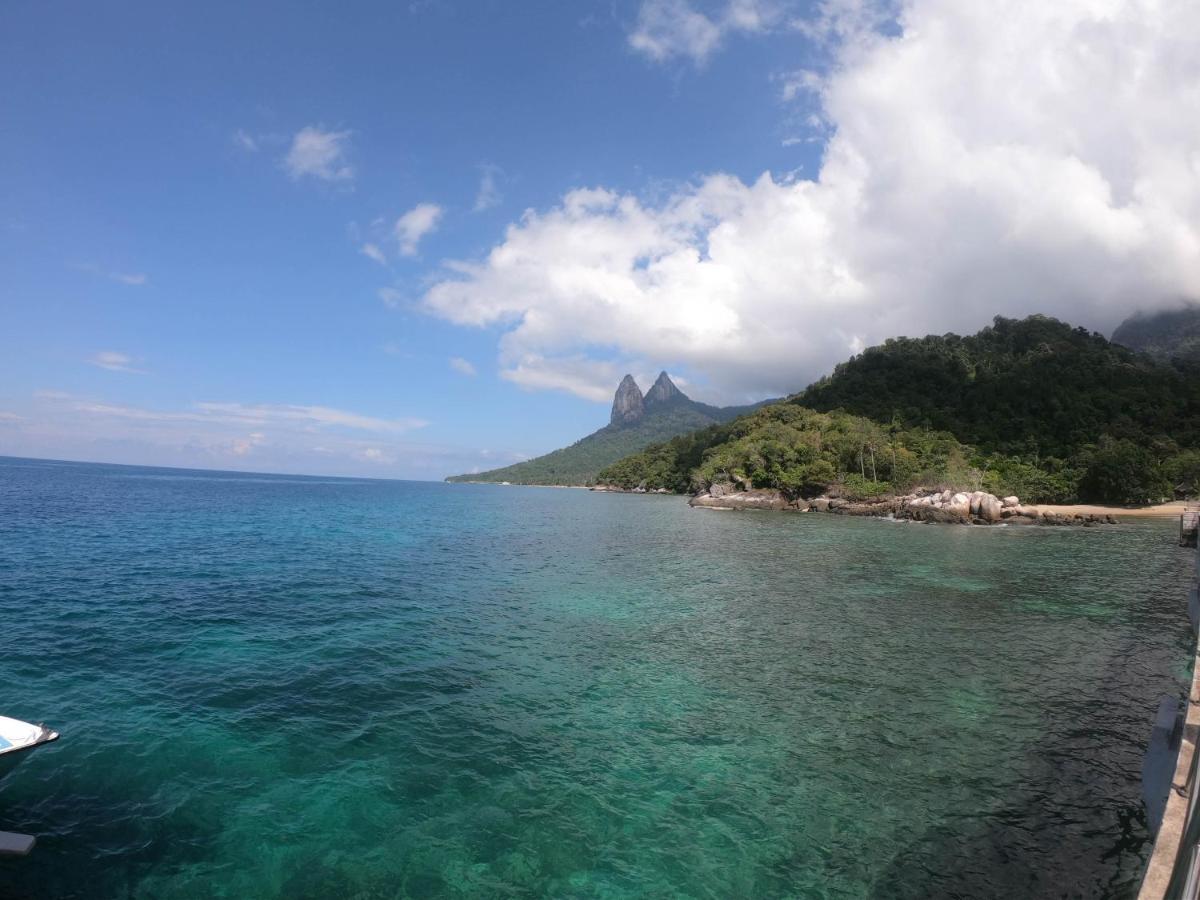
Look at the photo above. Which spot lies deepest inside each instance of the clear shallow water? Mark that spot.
(285, 687)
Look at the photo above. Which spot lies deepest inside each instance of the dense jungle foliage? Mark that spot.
(1032, 407)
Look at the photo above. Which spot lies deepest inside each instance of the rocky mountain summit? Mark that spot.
(636, 421)
(628, 404)
(663, 391)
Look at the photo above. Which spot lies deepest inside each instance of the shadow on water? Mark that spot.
(1085, 753)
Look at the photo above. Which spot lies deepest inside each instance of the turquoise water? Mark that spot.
(287, 687)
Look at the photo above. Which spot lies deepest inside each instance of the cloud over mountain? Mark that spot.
(1030, 158)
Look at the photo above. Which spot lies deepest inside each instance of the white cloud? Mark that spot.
(489, 193)
(462, 366)
(245, 446)
(307, 416)
(391, 297)
(253, 437)
(414, 225)
(115, 362)
(795, 84)
(669, 28)
(245, 141)
(984, 160)
(320, 154)
(372, 251)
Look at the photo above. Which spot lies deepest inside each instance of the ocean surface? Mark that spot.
(319, 688)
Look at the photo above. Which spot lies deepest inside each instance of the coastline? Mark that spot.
(924, 505)
(573, 487)
(1160, 510)
(1170, 509)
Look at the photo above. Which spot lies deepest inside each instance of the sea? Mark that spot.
(289, 687)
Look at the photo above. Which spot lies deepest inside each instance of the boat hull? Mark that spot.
(17, 739)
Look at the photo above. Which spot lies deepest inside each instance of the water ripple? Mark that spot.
(316, 688)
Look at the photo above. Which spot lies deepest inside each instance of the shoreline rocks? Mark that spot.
(943, 507)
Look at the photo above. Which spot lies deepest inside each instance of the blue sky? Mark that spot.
(414, 239)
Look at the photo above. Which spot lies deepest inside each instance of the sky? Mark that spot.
(416, 239)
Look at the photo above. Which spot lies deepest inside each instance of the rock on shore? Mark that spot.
(951, 507)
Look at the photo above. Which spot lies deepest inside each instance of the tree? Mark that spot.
(1123, 472)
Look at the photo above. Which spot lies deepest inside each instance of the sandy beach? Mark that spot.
(1171, 509)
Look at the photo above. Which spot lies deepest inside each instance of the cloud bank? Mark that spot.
(982, 160)
(228, 435)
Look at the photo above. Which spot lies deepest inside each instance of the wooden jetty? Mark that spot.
(1174, 869)
(1189, 525)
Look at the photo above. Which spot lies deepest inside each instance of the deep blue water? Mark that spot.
(316, 688)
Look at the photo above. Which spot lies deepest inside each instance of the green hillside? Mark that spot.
(637, 421)
(1042, 410)
(1034, 387)
(1173, 334)
(800, 451)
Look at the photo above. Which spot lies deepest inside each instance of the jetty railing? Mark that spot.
(1174, 869)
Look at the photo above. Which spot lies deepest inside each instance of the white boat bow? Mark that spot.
(16, 736)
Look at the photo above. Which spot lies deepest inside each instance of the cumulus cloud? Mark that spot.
(462, 366)
(414, 225)
(319, 154)
(114, 361)
(981, 160)
(667, 29)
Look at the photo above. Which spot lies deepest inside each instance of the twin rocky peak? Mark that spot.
(629, 406)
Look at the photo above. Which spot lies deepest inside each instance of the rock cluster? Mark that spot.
(617, 489)
(951, 507)
(982, 508)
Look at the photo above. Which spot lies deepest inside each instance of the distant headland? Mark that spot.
(637, 420)
(1032, 408)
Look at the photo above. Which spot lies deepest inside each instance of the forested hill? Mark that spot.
(1031, 407)
(1167, 335)
(636, 421)
(1034, 386)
